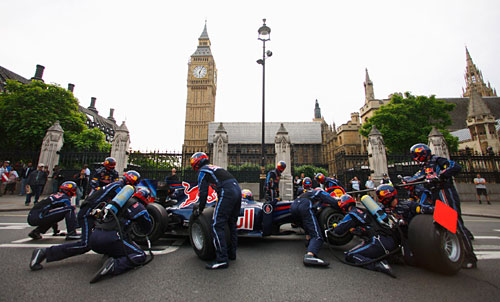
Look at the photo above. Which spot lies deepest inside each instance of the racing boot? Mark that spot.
(36, 258)
(106, 270)
(217, 265)
(383, 267)
(311, 260)
(35, 235)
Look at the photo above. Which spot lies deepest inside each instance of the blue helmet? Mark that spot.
(307, 183)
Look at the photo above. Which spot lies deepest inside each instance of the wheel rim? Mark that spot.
(333, 218)
(136, 231)
(451, 246)
(197, 236)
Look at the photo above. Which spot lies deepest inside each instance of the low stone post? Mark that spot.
(49, 154)
(283, 151)
(437, 143)
(377, 157)
(51, 145)
(119, 148)
(220, 148)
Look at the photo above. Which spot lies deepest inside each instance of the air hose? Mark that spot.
(120, 231)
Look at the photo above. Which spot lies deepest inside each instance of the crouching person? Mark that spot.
(304, 208)
(111, 234)
(377, 241)
(48, 212)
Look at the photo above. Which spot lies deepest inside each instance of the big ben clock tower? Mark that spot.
(200, 106)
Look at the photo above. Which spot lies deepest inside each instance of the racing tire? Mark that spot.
(200, 234)
(327, 218)
(159, 218)
(434, 247)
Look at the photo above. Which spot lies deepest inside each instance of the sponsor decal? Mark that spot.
(267, 208)
(246, 221)
(192, 195)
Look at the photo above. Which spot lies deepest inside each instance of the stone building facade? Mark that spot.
(317, 142)
(107, 125)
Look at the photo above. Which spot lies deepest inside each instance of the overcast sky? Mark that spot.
(133, 55)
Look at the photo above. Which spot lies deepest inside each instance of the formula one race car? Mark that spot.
(173, 216)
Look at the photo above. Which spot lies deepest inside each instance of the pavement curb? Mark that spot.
(482, 215)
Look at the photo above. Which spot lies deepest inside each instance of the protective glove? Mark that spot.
(197, 210)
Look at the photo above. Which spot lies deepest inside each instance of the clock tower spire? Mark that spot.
(200, 105)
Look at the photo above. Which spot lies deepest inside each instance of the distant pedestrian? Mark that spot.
(4, 175)
(24, 177)
(173, 176)
(355, 183)
(385, 180)
(57, 179)
(481, 188)
(370, 184)
(11, 182)
(36, 181)
(81, 185)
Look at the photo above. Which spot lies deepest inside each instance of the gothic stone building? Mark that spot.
(107, 125)
(317, 143)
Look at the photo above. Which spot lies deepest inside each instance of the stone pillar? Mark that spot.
(220, 148)
(51, 145)
(283, 151)
(437, 143)
(377, 157)
(119, 148)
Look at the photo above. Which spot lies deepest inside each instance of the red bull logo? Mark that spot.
(246, 222)
(192, 195)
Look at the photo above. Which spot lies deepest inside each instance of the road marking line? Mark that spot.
(496, 230)
(165, 251)
(14, 227)
(486, 247)
(486, 237)
(14, 223)
(22, 240)
(487, 255)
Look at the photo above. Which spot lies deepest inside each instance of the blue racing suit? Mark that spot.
(377, 240)
(445, 169)
(86, 222)
(331, 183)
(227, 208)
(50, 211)
(304, 208)
(273, 185)
(103, 177)
(107, 240)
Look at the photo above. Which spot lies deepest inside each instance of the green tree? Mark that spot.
(408, 120)
(309, 171)
(28, 110)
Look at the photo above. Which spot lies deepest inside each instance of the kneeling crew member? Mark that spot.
(48, 212)
(86, 221)
(304, 208)
(377, 241)
(330, 184)
(227, 207)
(111, 235)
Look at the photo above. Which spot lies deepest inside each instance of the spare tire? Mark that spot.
(434, 247)
(327, 218)
(159, 218)
(200, 234)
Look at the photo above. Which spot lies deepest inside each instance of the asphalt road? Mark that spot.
(267, 269)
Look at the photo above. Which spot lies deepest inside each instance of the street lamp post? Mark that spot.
(264, 36)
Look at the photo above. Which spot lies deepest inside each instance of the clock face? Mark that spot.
(200, 71)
